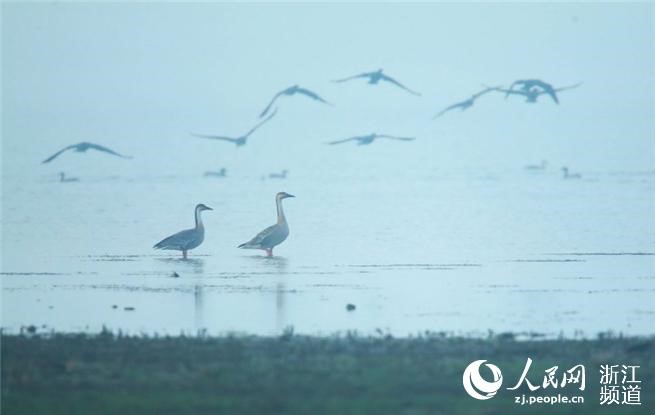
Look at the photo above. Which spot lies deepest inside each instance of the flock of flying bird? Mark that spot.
(531, 89)
(272, 236)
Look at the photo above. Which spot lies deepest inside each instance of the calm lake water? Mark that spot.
(448, 232)
(414, 247)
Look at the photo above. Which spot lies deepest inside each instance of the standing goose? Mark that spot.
(187, 239)
(274, 235)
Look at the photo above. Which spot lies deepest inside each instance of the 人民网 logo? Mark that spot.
(476, 386)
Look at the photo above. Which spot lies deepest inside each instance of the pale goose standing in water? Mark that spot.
(274, 235)
(188, 239)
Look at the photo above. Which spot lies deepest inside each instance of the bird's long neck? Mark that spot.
(198, 219)
(280, 212)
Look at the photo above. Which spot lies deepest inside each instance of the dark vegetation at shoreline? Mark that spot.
(292, 374)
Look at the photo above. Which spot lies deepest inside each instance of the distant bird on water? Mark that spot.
(568, 175)
(281, 175)
(541, 166)
(221, 173)
(292, 90)
(368, 139)
(64, 179)
(466, 104)
(274, 235)
(239, 141)
(375, 77)
(188, 239)
(83, 147)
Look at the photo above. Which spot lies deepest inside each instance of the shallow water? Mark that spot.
(461, 251)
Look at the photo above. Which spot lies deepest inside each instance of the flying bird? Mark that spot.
(527, 85)
(239, 141)
(83, 147)
(292, 90)
(274, 235)
(368, 139)
(533, 93)
(188, 239)
(466, 104)
(375, 77)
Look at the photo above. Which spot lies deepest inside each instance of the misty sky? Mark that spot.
(140, 77)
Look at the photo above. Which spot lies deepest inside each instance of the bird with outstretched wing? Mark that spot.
(292, 90)
(393, 81)
(564, 88)
(368, 139)
(83, 147)
(375, 77)
(361, 75)
(531, 94)
(467, 103)
(239, 141)
(527, 84)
